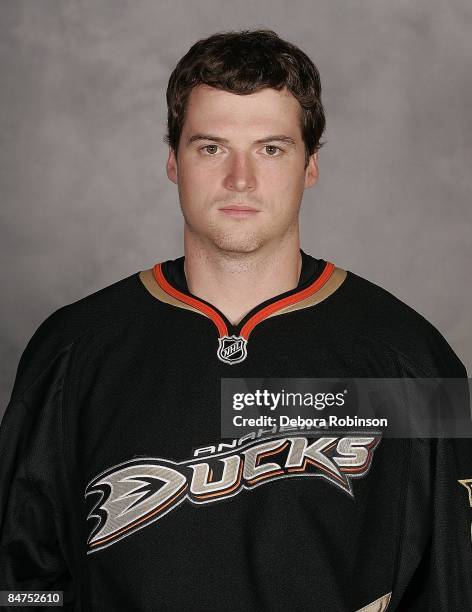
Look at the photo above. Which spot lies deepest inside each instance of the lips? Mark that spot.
(239, 210)
(241, 207)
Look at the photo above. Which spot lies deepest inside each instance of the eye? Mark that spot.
(271, 150)
(211, 149)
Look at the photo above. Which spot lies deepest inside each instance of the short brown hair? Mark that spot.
(245, 62)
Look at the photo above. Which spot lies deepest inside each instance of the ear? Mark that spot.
(171, 166)
(311, 171)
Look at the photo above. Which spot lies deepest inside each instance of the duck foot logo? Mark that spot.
(232, 349)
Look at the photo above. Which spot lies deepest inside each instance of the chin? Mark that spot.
(238, 244)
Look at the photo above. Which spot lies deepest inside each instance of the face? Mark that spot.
(240, 167)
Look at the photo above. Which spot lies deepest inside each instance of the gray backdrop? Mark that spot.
(84, 196)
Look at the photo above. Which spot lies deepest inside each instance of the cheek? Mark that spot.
(194, 174)
(197, 188)
(285, 183)
(190, 181)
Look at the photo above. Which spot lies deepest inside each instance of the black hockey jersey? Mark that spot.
(115, 486)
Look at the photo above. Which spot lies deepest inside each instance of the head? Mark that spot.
(245, 120)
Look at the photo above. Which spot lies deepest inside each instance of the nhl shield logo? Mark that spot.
(232, 349)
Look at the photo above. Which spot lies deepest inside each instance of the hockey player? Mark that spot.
(114, 485)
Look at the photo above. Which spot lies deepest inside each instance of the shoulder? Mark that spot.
(108, 307)
(89, 313)
(380, 318)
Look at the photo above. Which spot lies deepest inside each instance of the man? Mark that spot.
(115, 486)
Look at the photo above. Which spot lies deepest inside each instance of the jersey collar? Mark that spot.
(318, 279)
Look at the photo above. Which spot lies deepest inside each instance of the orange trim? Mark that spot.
(258, 316)
(204, 308)
(287, 301)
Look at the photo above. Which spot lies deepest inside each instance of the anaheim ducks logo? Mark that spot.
(232, 349)
(134, 494)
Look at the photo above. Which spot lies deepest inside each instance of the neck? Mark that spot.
(236, 282)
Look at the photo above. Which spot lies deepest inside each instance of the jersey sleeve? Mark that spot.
(443, 578)
(35, 551)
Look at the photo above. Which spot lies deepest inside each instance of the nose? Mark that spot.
(240, 173)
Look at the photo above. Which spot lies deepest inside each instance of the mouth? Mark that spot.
(239, 210)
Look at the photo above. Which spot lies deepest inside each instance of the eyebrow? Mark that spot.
(272, 138)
